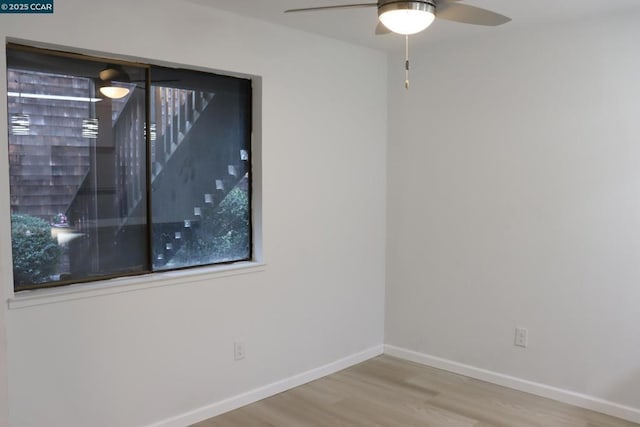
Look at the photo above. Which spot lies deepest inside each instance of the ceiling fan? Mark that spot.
(115, 83)
(413, 16)
(408, 17)
(108, 76)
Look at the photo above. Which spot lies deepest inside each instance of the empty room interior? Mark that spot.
(475, 217)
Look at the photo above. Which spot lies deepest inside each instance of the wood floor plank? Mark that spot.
(390, 392)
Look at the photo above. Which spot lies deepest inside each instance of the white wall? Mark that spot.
(4, 264)
(136, 358)
(514, 200)
(4, 399)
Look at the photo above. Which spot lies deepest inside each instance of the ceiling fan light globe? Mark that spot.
(114, 92)
(408, 17)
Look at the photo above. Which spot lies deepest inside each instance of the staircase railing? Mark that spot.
(173, 114)
(176, 110)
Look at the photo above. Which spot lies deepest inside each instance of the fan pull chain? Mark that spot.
(406, 63)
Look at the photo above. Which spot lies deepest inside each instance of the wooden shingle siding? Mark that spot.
(50, 162)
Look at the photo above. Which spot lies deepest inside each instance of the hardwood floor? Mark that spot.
(386, 391)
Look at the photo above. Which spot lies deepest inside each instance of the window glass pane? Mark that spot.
(77, 169)
(200, 153)
(79, 148)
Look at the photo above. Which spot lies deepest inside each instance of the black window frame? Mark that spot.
(149, 267)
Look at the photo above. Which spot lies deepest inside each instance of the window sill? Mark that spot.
(130, 284)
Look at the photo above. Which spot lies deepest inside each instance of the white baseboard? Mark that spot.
(260, 393)
(542, 390)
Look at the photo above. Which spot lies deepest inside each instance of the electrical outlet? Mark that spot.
(522, 337)
(238, 350)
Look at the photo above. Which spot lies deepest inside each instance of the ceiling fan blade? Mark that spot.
(381, 30)
(342, 6)
(469, 14)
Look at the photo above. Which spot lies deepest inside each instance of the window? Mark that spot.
(120, 169)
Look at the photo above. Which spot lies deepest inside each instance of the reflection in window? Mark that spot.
(202, 130)
(81, 164)
(65, 140)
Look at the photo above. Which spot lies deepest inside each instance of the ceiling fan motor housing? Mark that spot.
(422, 5)
(114, 72)
(406, 17)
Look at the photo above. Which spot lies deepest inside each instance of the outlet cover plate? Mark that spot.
(522, 338)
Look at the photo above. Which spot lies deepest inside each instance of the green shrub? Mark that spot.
(35, 251)
(229, 238)
(223, 233)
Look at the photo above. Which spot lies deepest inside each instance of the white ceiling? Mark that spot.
(357, 25)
